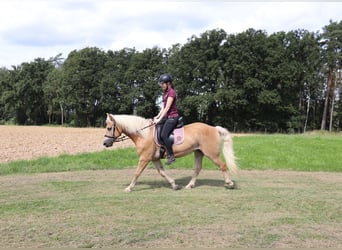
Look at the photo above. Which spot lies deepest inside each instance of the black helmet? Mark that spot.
(165, 78)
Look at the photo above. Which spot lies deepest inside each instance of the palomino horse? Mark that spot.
(200, 138)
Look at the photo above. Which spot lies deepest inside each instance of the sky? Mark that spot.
(44, 28)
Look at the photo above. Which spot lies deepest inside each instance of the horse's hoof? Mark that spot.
(128, 190)
(231, 185)
(189, 186)
(176, 187)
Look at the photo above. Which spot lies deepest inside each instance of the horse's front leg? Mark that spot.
(161, 171)
(141, 166)
(198, 166)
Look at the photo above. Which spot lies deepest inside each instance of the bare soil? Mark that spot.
(29, 142)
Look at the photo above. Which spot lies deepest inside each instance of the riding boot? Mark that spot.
(170, 156)
(162, 152)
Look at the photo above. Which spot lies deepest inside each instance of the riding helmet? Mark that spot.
(165, 78)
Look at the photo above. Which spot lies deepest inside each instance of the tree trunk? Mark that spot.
(62, 114)
(325, 110)
(307, 115)
(333, 102)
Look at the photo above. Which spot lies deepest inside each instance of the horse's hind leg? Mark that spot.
(163, 174)
(198, 166)
(228, 182)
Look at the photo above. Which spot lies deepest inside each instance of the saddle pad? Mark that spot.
(178, 136)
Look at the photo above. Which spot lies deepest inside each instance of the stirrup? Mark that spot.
(170, 160)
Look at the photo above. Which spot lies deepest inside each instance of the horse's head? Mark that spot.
(112, 131)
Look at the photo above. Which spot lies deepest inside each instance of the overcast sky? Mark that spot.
(35, 28)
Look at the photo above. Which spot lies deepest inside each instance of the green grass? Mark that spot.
(118, 159)
(91, 209)
(290, 152)
(315, 152)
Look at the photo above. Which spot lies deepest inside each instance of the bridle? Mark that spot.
(122, 137)
(112, 129)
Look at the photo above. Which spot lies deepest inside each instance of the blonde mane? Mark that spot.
(133, 124)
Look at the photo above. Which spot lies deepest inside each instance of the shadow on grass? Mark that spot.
(182, 182)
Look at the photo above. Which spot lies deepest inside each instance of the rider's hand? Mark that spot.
(156, 120)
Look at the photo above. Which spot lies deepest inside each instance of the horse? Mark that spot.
(200, 138)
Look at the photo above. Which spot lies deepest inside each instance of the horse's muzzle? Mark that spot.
(108, 142)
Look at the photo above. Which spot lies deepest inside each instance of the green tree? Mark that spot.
(115, 92)
(197, 71)
(5, 91)
(245, 77)
(26, 94)
(83, 73)
(54, 93)
(142, 76)
(246, 81)
(332, 54)
(294, 74)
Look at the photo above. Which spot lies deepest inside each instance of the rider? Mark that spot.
(168, 115)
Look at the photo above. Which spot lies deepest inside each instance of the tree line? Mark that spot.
(249, 81)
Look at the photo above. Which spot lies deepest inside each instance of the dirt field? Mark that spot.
(29, 142)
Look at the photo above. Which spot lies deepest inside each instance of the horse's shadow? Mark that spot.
(181, 182)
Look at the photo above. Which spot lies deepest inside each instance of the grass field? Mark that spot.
(273, 207)
(295, 152)
(90, 209)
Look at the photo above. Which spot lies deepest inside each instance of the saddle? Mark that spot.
(177, 135)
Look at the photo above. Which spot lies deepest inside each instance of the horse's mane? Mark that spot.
(133, 124)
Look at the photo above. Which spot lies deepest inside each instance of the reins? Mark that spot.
(125, 137)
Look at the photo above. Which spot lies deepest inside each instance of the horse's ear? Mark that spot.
(110, 117)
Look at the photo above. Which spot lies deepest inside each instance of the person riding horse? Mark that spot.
(168, 115)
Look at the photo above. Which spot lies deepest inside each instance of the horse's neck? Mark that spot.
(132, 136)
(136, 128)
(136, 137)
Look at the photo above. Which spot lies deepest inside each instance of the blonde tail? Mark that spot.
(227, 149)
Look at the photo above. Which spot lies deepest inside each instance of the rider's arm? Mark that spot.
(160, 112)
(164, 111)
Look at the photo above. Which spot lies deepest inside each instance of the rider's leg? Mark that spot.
(168, 127)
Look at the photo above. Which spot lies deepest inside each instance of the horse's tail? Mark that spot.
(227, 149)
